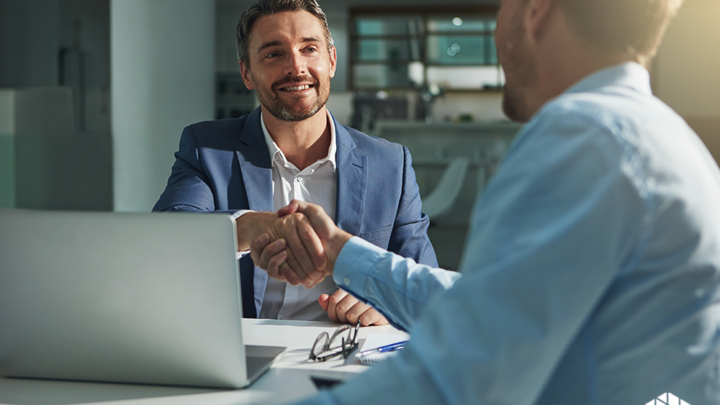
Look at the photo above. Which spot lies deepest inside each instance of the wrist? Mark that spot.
(250, 226)
(334, 246)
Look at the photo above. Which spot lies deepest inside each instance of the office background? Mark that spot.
(94, 93)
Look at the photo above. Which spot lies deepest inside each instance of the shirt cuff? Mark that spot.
(235, 216)
(355, 262)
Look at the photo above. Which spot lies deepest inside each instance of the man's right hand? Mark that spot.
(300, 256)
(314, 223)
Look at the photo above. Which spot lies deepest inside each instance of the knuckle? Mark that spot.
(355, 313)
(290, 260)
(274, 263)
(296, 217)
(298, 250)
(288, 274)
(305, 233)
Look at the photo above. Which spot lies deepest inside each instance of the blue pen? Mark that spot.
(388, 348)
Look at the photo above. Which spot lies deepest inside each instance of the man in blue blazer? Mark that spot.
(292, 147)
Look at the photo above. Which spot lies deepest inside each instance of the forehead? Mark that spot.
(285, 26)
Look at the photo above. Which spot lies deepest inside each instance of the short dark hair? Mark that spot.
(632, 26)
(270, 7)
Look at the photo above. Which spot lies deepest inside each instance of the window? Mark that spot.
(401, 49)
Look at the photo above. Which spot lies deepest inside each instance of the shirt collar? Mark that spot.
(629, 74)
(275, 150)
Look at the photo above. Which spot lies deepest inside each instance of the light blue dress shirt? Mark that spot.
(590, 274)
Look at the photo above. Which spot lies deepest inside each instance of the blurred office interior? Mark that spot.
(95, 93)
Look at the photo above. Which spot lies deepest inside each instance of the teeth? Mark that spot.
(298, 88)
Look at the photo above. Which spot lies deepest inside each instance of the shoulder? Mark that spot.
(623, 114)
(367, 144)
(216, 135)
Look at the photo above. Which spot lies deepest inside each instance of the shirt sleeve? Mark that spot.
(547, 238)
(400, 294)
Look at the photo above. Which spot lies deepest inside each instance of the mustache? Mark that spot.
(293, 80)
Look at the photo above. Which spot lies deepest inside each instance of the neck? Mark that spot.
(302, 142)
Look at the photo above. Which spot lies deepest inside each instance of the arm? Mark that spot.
(408, 239)
(560, 219)
(190, 189)
(404, 297)
(395, 286)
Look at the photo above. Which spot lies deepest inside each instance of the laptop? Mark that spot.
(151, 298)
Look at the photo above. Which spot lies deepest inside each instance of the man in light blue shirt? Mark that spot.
(592, 269)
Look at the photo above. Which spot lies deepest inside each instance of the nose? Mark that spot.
(295, 65)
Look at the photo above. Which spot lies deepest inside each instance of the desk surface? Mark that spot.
(287, 380)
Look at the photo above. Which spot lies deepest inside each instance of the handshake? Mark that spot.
(299, 245)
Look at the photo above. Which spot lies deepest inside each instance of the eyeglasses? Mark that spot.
(323, 348)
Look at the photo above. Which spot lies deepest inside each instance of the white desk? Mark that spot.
(287, 380)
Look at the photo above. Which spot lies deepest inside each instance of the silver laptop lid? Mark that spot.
(139, 298)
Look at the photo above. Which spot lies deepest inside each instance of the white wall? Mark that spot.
(163, 67)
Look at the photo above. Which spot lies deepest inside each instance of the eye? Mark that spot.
(311, 49)
(271, 55)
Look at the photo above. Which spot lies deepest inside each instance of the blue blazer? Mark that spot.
(225, 165)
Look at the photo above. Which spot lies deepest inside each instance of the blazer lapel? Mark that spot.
(256, 170)
(255, 164)
(351, 183)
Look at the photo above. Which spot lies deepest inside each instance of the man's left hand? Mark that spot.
(342, 307)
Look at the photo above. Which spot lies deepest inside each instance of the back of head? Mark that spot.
(635, 27)
(270, 7)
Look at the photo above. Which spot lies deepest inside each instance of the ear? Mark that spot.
(539, 13)
(246, 76)
(333, 61)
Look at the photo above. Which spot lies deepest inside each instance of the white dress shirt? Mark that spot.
(317, 184)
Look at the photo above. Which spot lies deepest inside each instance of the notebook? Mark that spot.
(124, 297)
(369, 353)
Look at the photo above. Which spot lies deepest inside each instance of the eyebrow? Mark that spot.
(278, 43)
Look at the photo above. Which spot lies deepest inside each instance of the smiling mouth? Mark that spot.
(297, 88)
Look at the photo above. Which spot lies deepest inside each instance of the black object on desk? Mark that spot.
(325, 383)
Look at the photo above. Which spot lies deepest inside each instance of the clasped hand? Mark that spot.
(300, 247)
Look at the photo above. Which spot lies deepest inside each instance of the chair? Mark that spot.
(442, 199)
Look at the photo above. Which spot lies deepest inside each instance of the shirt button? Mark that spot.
(298, 179)
(347, 281)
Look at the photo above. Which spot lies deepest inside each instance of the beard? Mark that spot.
(520, 73)
(297, 111)
(514, 103)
